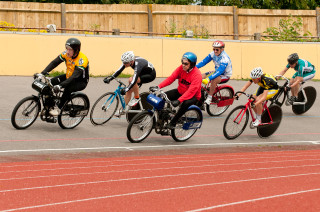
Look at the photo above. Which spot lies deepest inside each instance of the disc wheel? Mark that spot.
(266, 130)
(311, 95)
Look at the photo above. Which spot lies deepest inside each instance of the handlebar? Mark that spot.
(250, 96)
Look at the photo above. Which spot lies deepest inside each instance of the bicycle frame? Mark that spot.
(251, 99)
(223, 102)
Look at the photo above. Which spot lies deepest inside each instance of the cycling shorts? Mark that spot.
(146, 78)
(271, 92)
(306, 76)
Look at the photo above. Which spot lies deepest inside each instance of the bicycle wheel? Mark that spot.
(311, 95)
(140, 127)
(136, 109)
(180, 134)
(235, 122)
(265, 130)
(104, 108)
(74, 111)
(25, 112)
(224, 94)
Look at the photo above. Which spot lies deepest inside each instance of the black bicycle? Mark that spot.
(158, 118)
(27, 110)
(306, 97)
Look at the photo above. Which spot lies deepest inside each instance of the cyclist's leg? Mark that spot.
(183, 108)
(134, 89)
(295, 89)
(214, 84)
(70, 88)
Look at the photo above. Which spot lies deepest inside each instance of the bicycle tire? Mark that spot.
(267, 130)
(136, 131)
(74, 111)
(231, 129)
(24, 121)
(224, 94)
(178, 133)
(99, 114)
(145, 106)
(311, 94)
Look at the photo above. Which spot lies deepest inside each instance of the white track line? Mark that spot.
(158, 190)
(253, 200)
(160, 146)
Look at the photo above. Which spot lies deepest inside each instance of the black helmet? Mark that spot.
(293, 58)
(75, 44)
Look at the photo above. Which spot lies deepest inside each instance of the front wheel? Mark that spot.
(140, 126)
(74, 111)
(104, 108)
(224, 94)
(182, 132)
(25, 112)
(235, 122)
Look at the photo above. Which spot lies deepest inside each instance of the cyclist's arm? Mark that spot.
(244, 88)
(79, 72)
(204, 62)
(283, 71)
(169, 80)
(219, 72)
(118, 72)
(54, 63)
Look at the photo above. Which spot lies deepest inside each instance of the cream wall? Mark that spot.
(26, 54)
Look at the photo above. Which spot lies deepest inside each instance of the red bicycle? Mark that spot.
(222, 98)
(238, 119)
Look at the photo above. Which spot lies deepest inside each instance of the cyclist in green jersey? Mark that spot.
(268, 87)
(304, 71)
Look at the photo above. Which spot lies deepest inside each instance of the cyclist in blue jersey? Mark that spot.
(304, 71)
(222, 65)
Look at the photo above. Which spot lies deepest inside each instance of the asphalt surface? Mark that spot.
(47, 141)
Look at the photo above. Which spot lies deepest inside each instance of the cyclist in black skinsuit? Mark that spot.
(144, 72)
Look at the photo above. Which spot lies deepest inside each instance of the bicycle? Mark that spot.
(238, 119)
(306, 97)
(222, 98)
(159, 117)
(107, 104)
(27, 110)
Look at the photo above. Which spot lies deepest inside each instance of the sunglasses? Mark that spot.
(186, 64)
(216, 50)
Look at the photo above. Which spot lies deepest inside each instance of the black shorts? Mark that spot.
(146, 78)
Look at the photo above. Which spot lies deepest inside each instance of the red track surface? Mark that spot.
(266, 181)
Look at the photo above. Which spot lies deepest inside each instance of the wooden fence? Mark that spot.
(152, 20)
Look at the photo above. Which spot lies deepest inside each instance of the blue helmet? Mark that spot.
(191, 57)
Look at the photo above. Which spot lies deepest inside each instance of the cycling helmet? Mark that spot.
(218, 44)
(191, 57)
(75, 44)
(127, 57)
(256, 73)
(293, 58)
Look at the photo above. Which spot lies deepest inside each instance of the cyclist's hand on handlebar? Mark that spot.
(56, 88)
(123, 91)
(175, 103)
(153, 88)
(236, 97)
(108, 79)
(37, 75)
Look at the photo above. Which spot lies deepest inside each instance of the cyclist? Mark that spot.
(77, 74)
(268, 87)
(144, 72)
(189, 86)
(304, 71)
(223, 68)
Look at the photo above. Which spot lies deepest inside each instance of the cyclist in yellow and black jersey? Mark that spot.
(77, 74)
(268, 87)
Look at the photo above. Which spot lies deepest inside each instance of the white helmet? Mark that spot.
(127, 57)
(256, 73)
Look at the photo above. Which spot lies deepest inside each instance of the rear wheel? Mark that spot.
(266, 130)
(235, 122)
(224, 94)
(25, 112)
(140, 126)
(73, 112)
(137, 109)
(310, 95)
(179, 133)
(104, 108)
